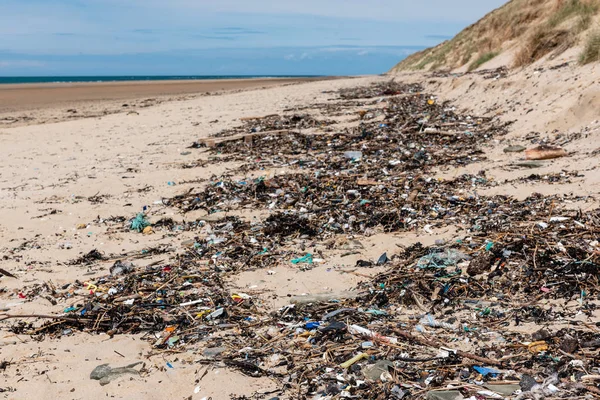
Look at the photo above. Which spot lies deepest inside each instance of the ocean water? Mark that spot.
(57, 79)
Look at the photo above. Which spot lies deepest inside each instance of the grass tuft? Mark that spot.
(570, 8)
(591, 50)
(482, 60)
(552, 36)
(542, 27)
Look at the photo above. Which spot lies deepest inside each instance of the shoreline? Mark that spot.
(26, 80)
(23, 85)
(22, 97)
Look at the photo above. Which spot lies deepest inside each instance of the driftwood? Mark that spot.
(545, 152)
(42, 316)
(460, 353)
(246, 137)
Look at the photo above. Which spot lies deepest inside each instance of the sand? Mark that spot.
(49, 170)
(23, 104)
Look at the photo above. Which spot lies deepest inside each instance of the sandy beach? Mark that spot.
(47, 174)
(62, 177)
(34, 103)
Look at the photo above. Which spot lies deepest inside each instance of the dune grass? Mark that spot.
(540, 26)
(482, 60)
(584, 10)
(487, 36)
(591, 50)
(553, 36)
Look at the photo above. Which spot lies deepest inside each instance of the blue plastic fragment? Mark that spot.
(139, 222)
(307, 259)
(484, 371)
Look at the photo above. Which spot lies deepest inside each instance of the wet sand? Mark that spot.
(23, 97)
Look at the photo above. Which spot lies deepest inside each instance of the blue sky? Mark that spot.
(223, 37)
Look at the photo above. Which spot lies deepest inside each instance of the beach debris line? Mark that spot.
(437, 321)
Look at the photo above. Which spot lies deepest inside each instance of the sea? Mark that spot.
(127, 78)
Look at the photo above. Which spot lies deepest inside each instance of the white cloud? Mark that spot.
(21, 64)
(113, 27)
(388, 10)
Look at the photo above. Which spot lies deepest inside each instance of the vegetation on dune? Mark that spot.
(482, 60)
(591, 50)
(581, 9)
(534, 27)
(556, 34)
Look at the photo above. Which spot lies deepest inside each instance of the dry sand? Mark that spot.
(23, 104)
(48, 172)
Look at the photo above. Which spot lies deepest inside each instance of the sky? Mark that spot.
(223, 37)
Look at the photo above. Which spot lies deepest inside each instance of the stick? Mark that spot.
(213, 141)
(442, 133)
(460, 353)
(8, 316)
(6, 273)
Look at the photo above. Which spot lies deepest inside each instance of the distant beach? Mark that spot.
(72, 91)
(13, 80)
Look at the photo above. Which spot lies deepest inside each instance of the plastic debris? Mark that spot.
(139, 223)
(515, 149)
(428, 312)
(354, 360)
(106, 374)
(429, 320)
(484, 371)
(353, 155)
(307, 259)
(379, 370)
(121, 268)
(442, 259)
(383, 259)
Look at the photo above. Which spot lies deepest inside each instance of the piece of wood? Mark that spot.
(438, 132)
(366, 182)
(6, 273)
(545, 152)
(413, 194)
(592, 389)
(43, 316)
(460, 353)
(247, 137)
(255, 118)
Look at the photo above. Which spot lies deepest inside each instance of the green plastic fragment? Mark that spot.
(374, 311)
(139, 222)
(307, 259)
